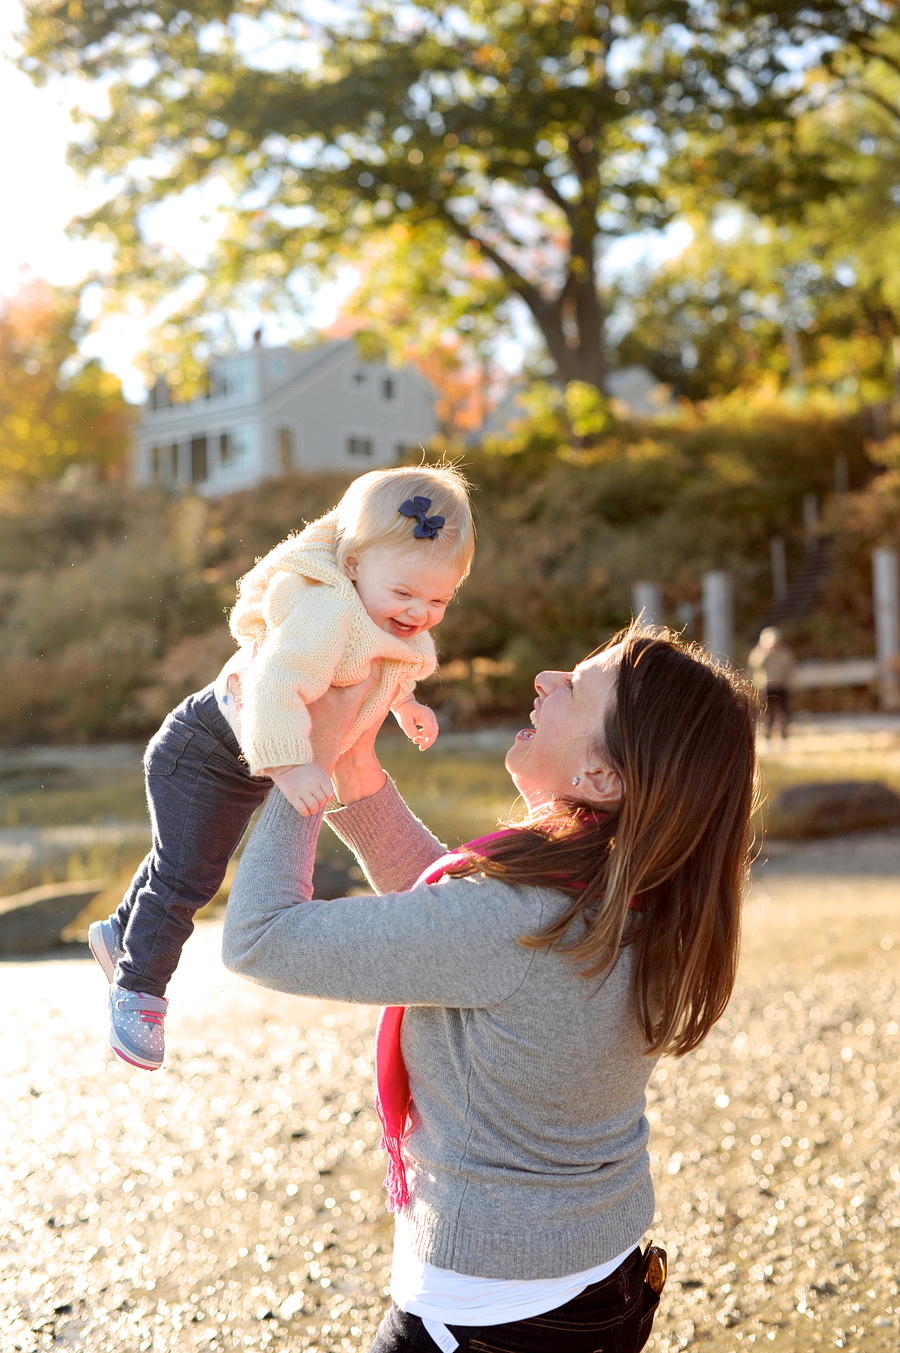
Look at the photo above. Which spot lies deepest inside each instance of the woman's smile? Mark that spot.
(554, 755)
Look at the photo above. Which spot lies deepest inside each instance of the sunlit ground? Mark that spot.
(232, 1200)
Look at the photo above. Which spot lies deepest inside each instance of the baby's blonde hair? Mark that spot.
(369, 514)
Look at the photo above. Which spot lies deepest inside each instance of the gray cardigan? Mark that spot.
(528, 1158)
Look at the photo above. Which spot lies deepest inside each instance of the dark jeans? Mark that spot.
(778, 709)
(614, 1316)
(201, 796)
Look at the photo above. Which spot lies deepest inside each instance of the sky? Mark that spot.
(43, 194)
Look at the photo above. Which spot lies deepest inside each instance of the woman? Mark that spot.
(544, 972)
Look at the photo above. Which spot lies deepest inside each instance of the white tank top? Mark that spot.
(441, 1297)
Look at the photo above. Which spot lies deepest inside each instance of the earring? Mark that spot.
(576, 779)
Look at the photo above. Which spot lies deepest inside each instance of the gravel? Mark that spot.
(232, 1201)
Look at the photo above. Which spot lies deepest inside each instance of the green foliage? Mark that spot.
(534, 134)
(113, 603)
(554, 423)
(803, 290)
(53, 416)
(859, 522)
(562, 538)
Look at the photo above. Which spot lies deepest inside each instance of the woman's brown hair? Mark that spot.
(662, 870)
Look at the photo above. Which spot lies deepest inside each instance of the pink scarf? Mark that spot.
(392, 1099)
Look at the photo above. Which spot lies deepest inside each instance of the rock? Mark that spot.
(32, 921)
(830, 809)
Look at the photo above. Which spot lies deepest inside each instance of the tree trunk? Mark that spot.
(572, 326)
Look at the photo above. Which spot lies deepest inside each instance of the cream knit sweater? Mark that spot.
(303, 627)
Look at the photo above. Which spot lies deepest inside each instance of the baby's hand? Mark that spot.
(418, 723)
(307, 787)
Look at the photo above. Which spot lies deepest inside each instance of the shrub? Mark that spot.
(113, 602)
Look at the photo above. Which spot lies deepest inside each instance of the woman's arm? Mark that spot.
(391, 844)
(453, 943)
(389, 841)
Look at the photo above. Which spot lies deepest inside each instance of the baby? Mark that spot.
(362, 585)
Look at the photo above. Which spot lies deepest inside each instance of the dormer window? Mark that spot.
(232, 378)
(277, 368)
(388, 387)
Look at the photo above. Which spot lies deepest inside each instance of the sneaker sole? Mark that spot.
(100, 951)
(130, 1057)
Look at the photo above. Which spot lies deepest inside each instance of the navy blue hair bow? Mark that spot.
(426, 527)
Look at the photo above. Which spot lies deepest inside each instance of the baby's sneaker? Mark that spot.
(105, 939)
(136, 1030)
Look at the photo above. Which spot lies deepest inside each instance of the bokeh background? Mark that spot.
(525, 205)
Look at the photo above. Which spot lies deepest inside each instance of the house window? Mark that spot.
(388, 388)
(234, 448)
(358, 380)
(285, 448)
(232, 379)
(277, 368)
(198, 460)
(164, 461)
(360, 446)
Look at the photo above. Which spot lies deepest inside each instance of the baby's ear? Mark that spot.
(351, 567)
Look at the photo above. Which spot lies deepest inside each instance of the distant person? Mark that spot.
(772, 667)
(363, 584)
(543, 970)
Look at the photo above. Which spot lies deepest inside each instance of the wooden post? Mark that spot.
(778, 560)
(647, 603)
(718, 613)
(886, 604)
(810, 518)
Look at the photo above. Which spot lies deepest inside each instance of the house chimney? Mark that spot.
(257, 338)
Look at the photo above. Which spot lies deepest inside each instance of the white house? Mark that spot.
(633, 392)
(272, 409)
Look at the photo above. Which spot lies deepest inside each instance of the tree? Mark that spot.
(530, 134)
(54, 410)
(434, 306)
(765, 306)
(804, 287)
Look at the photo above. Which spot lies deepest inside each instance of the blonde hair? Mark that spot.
(369, 514)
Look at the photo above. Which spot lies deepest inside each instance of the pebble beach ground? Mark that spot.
(232, 1200)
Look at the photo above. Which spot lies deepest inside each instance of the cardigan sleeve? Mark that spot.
(391, 844)
(306, 633)
(452, 944)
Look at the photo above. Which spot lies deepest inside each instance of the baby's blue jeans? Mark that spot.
(201, 797)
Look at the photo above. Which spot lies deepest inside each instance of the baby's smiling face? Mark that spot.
(404, 590)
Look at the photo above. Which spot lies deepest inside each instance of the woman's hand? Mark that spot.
(332, 717)
(358, 773)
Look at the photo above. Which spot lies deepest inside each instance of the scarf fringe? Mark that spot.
(395, 1179)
